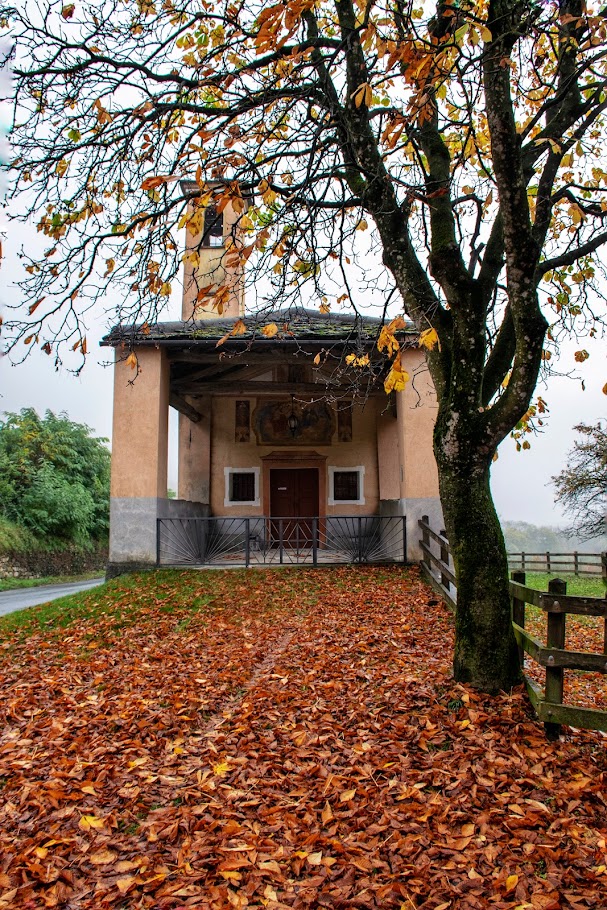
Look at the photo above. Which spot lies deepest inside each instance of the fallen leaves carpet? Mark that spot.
(280, 739)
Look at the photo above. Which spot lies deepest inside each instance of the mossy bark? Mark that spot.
(486, 654)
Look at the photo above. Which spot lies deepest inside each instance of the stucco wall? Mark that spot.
(227, 453)
(140, 425)
(215, 267)
(416, 412)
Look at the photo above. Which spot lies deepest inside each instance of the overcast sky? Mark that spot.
(521, 481)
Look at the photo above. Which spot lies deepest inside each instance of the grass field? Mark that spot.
(581, 585)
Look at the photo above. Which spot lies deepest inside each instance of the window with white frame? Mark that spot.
(241, 487)
(346, 485)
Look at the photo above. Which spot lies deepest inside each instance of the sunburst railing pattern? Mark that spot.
(281, 541)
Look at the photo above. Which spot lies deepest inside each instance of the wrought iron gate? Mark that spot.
(266, 541)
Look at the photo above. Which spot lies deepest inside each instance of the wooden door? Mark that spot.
(293, 498)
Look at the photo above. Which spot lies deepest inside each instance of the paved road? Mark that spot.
(21, 598)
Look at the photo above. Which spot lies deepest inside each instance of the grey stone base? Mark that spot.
(414, 509)
(133, 526)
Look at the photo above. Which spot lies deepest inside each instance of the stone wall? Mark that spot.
(37, 564)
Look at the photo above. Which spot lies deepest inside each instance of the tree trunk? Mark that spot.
(486, 654)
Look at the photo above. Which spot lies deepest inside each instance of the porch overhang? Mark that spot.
(205, 358)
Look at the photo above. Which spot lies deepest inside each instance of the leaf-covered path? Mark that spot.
(280, 739)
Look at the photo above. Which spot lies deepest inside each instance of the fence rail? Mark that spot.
(265, 540)
(553, 656)
(570, 563)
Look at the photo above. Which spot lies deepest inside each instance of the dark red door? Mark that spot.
(294, 499)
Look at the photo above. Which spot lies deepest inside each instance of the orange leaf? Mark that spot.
(102, 857)
(327, 814)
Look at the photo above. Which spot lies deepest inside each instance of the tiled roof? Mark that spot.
(294, 325)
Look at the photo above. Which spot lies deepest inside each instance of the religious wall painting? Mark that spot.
(242, 428)
(293, 423)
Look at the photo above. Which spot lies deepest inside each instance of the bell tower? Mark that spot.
(213, 270)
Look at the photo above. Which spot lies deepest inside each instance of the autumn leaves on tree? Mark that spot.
(463, 145)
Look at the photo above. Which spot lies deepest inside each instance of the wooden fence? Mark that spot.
(556, 604)
(569, 563)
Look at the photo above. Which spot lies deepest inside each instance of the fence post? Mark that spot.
(404, 538)
(555, 639)
(548, 561)
(576, 563)
(314, 541)
(522, 560)
(425, 540)
(247, 544)
(518, 613)
(444, 555)
(604, 566)
(360, 540)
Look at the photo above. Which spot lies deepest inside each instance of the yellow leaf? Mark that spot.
(511, 882)
(232, 876)
(346, 795)
(165, 290)
(317, 361)
(221, 768)
(90, 821)
(239, 328)
(604, 389)
(270, 330)
(362, 225)
(88, 788)
(315, 859)
(467, 830)
(581, 356)
(327, 814)
(486, 34)
(61, 167)
(132, 360)
(429, 339)
(397, 378)
(324, 308)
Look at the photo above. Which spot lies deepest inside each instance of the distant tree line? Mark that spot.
(54, 478)
(521, 536)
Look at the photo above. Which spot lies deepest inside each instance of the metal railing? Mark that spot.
(263, 540)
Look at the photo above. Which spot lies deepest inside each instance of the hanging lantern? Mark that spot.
(292, 419)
